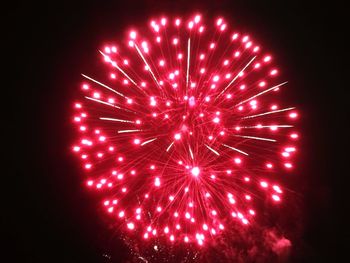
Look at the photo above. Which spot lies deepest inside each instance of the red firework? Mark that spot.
(185, 135)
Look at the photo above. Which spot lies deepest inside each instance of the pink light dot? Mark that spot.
(273, 72)
(121, 214)
(176, 214)
(131, 226)
(197, 18)
(247, 179)
(76, 148)
(264, 184)
(273, 128)
(294, 135)
(96, 95)
(88, 166)
(172, 238)
(163, 21)
(187, 215)
(159, 209)
(293, 115)
(186, 239)
(249, 44)
(110, 209)
(277, 189)
(123, 189)
(177, 22)
(219, 21)
(248, 197)
(262, 84)
(216, 120)
(120, 159)
(213, 212)
(190, 25)
(237, 160)
(216, 78)
(256, 49)
(102, 138)
(288, 165)
(107, 50)
(201, 29)
(157, 182)
(269, 165)
(129, 101)
(171, 198)
(161, 63)
(257, 65)
(90, 183)
(137, 141)
(276, 198)
(133, 35)
(145, 236)
(212, 45)
(236, 54)
(244, 221)
(177, 136)
(158, 39)
(85, 87)
(166, 230)
(234, 36)
(242, 87)
(179, 56)
(267, 58)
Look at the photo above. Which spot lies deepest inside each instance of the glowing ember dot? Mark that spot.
(157, 182)
(276, 198)
(90, 183)
(186, 239)
(288, 165)
(131, 226)
(137, 141)
(269, 165)
(216, 78)
(177, 136)
(293, 115)
(121, 214)
(263, 184)
(238, 160)
(195, 171)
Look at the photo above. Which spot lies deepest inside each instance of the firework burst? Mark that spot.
(184, 132)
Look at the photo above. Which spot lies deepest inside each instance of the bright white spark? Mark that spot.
(212, 150)
(269, 112)
(235, 149)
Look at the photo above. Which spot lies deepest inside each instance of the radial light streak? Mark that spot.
(216, 152)
(255, 138)
(103, 85)
(148, 141)
(235, 149)
(174, 162)
(263, 92)
(268, 113)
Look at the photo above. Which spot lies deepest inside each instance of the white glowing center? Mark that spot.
(195, 171)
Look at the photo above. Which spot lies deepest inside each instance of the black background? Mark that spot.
(49, 217)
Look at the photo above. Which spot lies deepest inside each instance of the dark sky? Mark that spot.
(50, 218)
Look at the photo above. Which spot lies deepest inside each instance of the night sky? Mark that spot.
(50, 217)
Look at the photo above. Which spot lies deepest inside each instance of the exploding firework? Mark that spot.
(184, 134)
